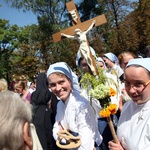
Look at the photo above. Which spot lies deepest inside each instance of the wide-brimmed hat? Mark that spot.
(71, 140)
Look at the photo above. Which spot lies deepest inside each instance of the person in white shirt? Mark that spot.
(31, 87)
(133, 129)
(112, 64)
(74, 112)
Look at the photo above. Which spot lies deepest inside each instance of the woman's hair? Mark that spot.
(14, 113)
(3, 85)
(22, 84)
(120, 56)
(61, 75)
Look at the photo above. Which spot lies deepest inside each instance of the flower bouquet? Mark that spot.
(99, 87)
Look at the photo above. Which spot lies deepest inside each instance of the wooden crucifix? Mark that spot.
(78, 31)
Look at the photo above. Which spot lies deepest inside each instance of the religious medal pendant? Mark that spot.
(139, 118)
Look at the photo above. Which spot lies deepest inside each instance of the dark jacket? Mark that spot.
(44, 114)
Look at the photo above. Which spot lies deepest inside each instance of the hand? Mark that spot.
(114, 146)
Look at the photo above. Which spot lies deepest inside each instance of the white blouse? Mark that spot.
(77, 115)
(134, 126)
(118, 70)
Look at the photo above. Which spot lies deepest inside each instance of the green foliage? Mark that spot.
(23, 50)
(88, 9)
(99, 87)
(142, 23)
(91, 80)
(8, 43)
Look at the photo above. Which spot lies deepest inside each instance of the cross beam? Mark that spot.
(83, 26)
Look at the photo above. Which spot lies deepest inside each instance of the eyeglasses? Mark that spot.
(136, 85)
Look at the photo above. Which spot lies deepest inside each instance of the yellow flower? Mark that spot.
(105, 113)
(112, 92)
(112, 108)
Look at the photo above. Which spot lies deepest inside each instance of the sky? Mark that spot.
(15, 16)
(18, 17)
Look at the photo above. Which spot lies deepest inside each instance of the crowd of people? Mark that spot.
(54, 112)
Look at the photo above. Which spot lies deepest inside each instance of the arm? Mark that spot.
(68, 36)
(56, 129)
(58, 118)
(86, 127)
(90, 27)
(54, 103)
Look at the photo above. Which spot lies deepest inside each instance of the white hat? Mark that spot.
(112, 57)
(63, 68)
(143, 62)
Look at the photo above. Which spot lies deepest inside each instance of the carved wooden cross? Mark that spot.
(77, 24)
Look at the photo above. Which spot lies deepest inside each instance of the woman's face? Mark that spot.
(60, 86)
(136, 86)
(100, 64)
(107, 62)
(19, 90)
(125, 60)
(84, 66)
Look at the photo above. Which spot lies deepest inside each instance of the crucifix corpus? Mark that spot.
(78, 31)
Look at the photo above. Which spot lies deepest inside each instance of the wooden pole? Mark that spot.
(112, 129)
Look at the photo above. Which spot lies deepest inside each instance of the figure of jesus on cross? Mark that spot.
(79, 32)
(84, 47)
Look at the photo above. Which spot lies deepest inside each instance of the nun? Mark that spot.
(101, 63)
(134, 124)
(74, 112)
(44, 104)
(112, 64)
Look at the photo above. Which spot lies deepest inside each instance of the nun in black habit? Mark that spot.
(44, 110)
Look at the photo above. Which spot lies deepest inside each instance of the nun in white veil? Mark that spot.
(74, 112)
